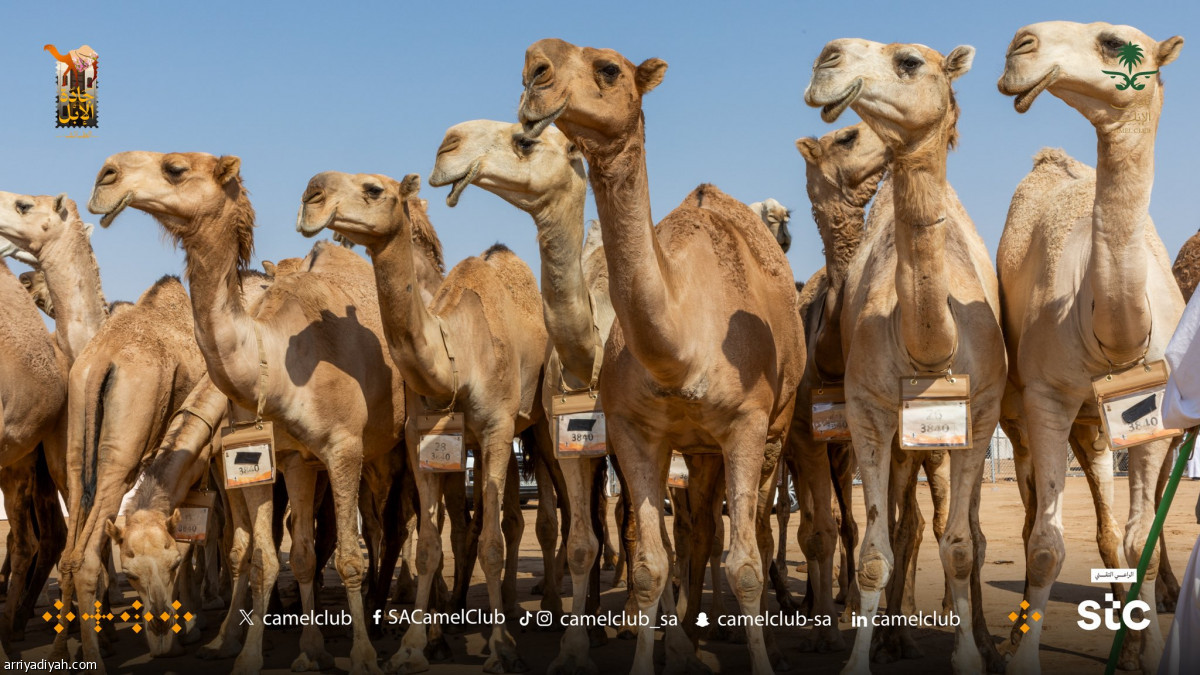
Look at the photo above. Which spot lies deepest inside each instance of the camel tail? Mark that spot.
(529, 452)
(93, 427)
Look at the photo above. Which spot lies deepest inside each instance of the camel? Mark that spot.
(327, 384)
(690, 296)
(1096, 264)
(775, 216)
(546, 178)
(35, 283)
(49, 229)
(479, 344)
(843, 169)
(920, 298)
(1187, 266)
(33, 395)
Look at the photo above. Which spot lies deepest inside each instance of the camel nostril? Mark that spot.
(541, 74)
(830, 60)
(1023, 45)
(314, 196)
(108, 176)
(449, 144)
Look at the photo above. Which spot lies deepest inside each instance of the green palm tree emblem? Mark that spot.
(1130, 56)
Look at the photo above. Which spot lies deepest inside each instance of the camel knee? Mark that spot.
(350, 569)
(1043, 566)
(303, 560)
(958, 558)
(429, 554)
(873, 573)
(648, 582)
(582, 552)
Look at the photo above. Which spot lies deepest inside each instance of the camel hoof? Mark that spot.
(779, 664)
(305, 663)
(538, 588)
(437, 650)
(406, 660)
(626, 633)
(619, 582)
(572, 665)
(247, 666)
(219, 650)
(499, 664)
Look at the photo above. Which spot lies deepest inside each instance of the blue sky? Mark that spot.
(298, 88)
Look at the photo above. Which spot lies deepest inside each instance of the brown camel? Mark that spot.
(690, 296)
(1187, 266)
(35, 283)
(843, 169)
(479, 344)
(50, 230)
(33, 396)
(330, 387)
(1090, 277)
(920, 298)
(546, 178)
(775, 216)
(123, 387)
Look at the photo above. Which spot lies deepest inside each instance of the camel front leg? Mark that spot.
(842, 466)
(496, 456)
(1145, 461)
(704, 472)
(818, 541)
(410, 657)
(546, 525)
(958, 548)
(873, 430)
(582, 549)
(512, 525)
(301, 486)
(264, 570)
(228, 642)
(16, 482)
(937, 473)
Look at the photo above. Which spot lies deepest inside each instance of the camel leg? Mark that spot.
(1167, 588)
(228, 642)
(841, 459)
(582, 549)
(783, 513)
(302, 484)
(907, 527)
(745, 568)
(1048, 419)
(704, 473)
(410, 657)
(264, 570)
(873, 431)
(772, 462)
(546, 527)
(512, 524)
(1145, 462)
(611, 551)
(937, 472)
(818, 541)
(682, 538)
(16, 482)
(406, 583)
(464, 532)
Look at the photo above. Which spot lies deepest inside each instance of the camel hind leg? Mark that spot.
(302, 484)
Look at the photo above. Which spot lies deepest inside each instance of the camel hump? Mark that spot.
(737, 216)
(1057, 160)
(166, 292)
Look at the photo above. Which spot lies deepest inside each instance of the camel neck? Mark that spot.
(412, 330)
(1118, 260)
(922, 278)
(565, 296)
(225, 330)
(639, 281)
(182, 457)
(73, 280)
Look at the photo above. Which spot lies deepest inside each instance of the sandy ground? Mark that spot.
(1065, 648)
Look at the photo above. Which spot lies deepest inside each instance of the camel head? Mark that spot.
(902, 91)
(775, 216)
(846, 164)
(365, 208)
(180, 190)
(151, 559)
(529, 173)
(33, 224)
(1097, 68)
(35, 283)
(593, 95)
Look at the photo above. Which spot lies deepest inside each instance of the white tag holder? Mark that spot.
(441, 448)
(248, 455)
(1130, 404)
(829, 415)
(579, 429)
(935, 412)
(677, 474)
(194, 516)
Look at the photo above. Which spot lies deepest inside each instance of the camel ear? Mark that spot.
(113, 531)
(228, 168)
(60, 205)
(959, 61)
(173, 522)
(1169, 49)
(810, 148)
(410, 187)
(650, 75)
(88, 229)
(269, 268)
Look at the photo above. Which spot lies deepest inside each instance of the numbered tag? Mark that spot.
(1131, 405)
(935, 412)
(193, 516)
(677, 475)
(829, 415)
(441, 447)
(578, 425)
(248, 455)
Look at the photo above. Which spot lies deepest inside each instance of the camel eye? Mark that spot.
(373, 191)
(848, 139)
(910, 63)
(174, 170)
(23, 207)
(610, 71)
(525, 144)
(1113, 44)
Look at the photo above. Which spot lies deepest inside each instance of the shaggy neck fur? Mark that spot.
(643, 298)
(73, 280)
(922, 280)
(1117, 266)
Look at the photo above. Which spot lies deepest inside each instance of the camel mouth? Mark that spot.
(306, 227)
(1024, 99)
(534, 128)
(831, 111)
(460, 183)
(106, 219)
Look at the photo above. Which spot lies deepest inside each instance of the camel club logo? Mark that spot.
(75, 79)
(1024, 616)
(173, 618)
(1130, 56)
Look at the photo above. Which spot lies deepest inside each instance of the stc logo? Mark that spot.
(1090, 611)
